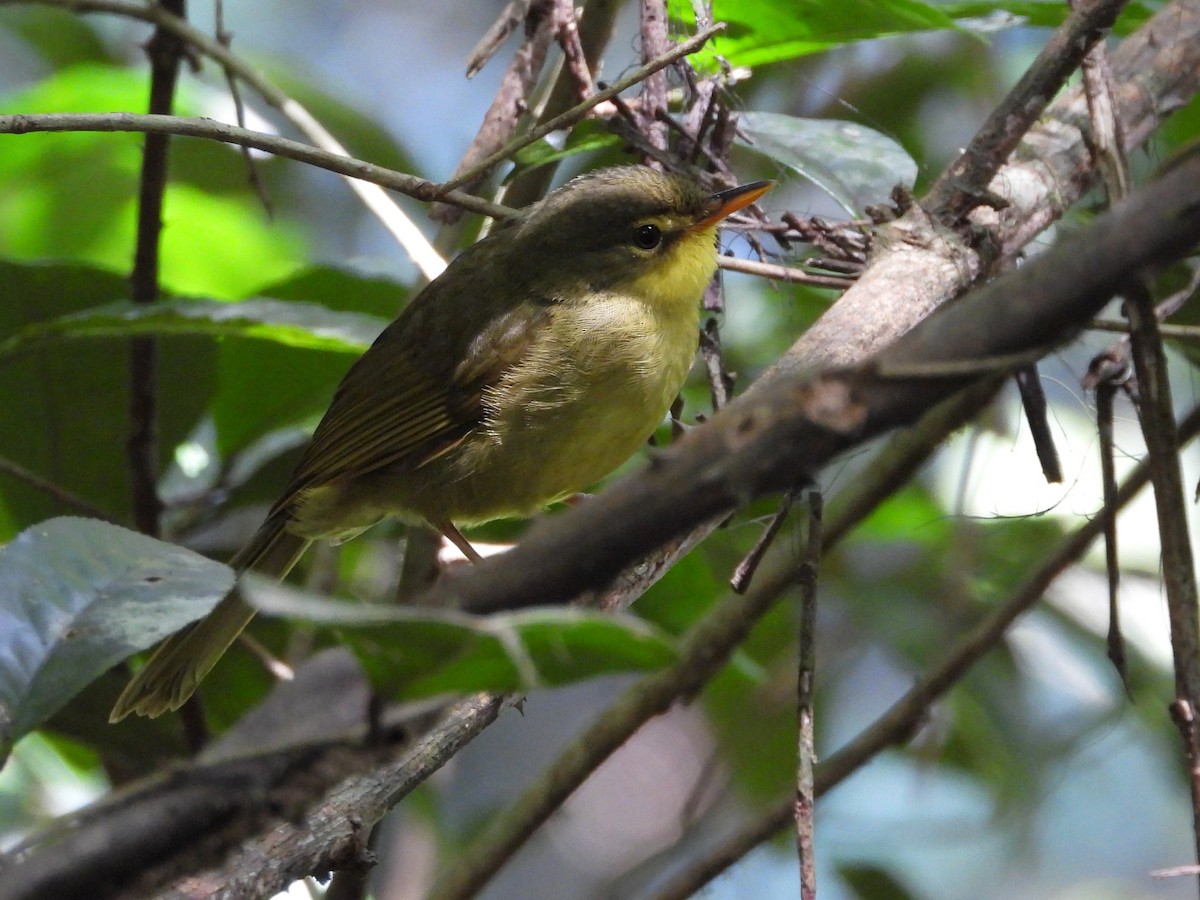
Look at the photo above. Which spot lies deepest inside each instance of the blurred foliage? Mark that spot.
(258, 327)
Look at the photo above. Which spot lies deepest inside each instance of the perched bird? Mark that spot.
(540, 360)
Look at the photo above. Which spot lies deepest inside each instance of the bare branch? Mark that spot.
(963, 185)
(229, 134)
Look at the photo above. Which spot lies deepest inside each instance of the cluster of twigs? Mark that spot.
(927, 257)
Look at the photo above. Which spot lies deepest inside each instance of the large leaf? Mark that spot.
(766, 31)
(415, 652)
(855, 165)
(294, 324)
(78, 596)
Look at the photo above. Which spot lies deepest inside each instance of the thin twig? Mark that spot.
(506, 23)
(578, 111)
(782, 273)
(1156, 414)
(54, 491)
(225, 38)
(1106, 142)
(720, 382)
(1167, 329)
(165, 52)
(271, 143)
(1105, 396)
(744, 572)
(806, 753)
(1033, 401)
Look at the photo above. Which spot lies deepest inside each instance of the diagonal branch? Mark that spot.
(962, 186)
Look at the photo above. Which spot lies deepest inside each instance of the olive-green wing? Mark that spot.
(413, 395)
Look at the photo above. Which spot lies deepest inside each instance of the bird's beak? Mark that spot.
(723, 203)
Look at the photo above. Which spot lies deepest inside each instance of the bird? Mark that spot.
(540, 360)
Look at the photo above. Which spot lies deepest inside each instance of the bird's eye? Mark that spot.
(647, 237)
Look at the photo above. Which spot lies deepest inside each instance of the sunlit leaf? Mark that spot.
(768, 31)
(74, 196)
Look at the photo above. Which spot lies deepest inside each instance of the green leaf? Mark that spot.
(59, 37)
(415, 652)
(587, 136)
(293, 324)
(78, 596)
(855, 165)
(65, 414)
(291, 384)
(74, 195)
(872, 882)
(767, 31)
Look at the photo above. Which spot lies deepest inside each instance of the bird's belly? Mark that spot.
(553, 428)
(565, 433)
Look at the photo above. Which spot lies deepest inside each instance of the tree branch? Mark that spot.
(963, 185)
(356, 169)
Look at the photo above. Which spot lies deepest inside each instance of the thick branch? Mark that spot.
(917, 266)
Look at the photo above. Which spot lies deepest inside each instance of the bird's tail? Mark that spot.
(180, 663)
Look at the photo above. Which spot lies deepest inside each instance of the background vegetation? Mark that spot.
(1033, 772)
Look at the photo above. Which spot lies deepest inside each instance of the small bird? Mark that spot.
(539, 361)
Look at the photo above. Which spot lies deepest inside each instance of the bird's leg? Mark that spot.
(452, 534)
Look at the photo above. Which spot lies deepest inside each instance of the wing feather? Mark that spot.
(418, 391)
